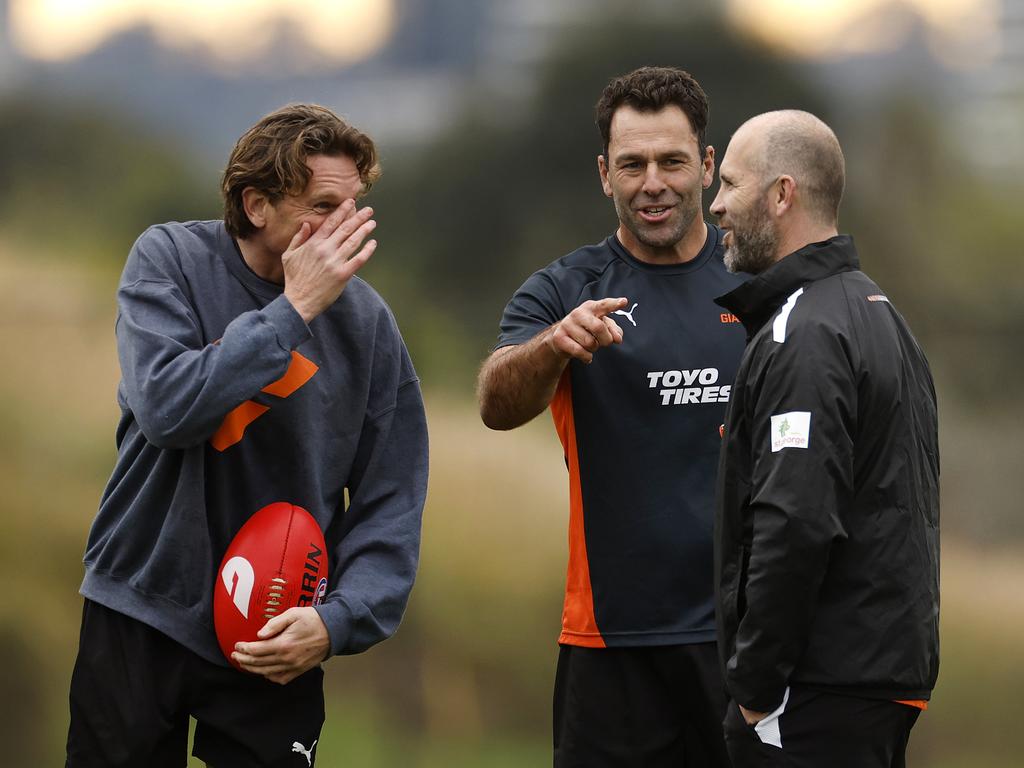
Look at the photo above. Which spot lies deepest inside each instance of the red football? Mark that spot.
(278, 560)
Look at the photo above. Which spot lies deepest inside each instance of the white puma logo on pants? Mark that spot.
(296, 747)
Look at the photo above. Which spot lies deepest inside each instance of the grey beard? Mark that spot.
(751, 251)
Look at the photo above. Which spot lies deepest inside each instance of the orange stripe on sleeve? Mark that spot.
(300, 370)
(579, 627)
(233, 427)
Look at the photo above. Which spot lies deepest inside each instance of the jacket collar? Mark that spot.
(758, 299)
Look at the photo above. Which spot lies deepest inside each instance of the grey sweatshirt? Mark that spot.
(230, 402)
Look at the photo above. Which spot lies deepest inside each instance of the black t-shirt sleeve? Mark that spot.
(534, 307)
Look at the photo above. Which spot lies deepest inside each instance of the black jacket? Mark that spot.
(827, 527)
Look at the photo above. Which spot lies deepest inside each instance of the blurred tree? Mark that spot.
(21, 728)
(942, 240)
(86, 183)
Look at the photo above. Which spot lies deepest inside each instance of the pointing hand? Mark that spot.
(586, 329)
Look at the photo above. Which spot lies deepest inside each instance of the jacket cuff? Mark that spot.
(758, 699)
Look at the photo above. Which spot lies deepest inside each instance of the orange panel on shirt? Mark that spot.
(233, 427)
(579, 627)
(300, 370)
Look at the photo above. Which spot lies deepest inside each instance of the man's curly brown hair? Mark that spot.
(271, 157)
(651, 89)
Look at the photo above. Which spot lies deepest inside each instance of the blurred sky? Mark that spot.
(343, 30)
(348, 30)
(958, 28)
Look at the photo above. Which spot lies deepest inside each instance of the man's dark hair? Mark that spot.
(271, 157)
(651, 89)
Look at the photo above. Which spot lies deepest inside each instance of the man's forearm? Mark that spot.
(517, 383)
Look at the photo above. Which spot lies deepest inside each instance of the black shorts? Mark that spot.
(644, 706)
(134, 688)
(813, 729)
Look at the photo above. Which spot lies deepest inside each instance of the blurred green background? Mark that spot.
(484, 118)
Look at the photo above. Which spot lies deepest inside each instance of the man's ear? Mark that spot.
(255, 204)
(709, 167)
(602, 170)
(784, 194)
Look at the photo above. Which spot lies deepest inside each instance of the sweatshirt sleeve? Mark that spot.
(379, 533)
(178, 387)
(803, 422)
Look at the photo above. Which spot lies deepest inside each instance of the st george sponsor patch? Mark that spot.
(791, 430)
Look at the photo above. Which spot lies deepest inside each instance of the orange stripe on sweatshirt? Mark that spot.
(300, 370)
(233, 427)
(579, 627)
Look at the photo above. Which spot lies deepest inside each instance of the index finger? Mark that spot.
(337, 217)
(604, 307)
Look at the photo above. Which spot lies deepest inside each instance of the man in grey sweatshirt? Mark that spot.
(255, 368)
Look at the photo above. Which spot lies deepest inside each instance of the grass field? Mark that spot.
(466, 681)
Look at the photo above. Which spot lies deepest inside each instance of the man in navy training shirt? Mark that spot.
(624, 343)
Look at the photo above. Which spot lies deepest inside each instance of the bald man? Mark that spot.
(826, 530)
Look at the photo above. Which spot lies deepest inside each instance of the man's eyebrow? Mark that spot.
(623, 156)
(626, 156)
(325, 196)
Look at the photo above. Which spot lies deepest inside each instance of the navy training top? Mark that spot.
(640, 430)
